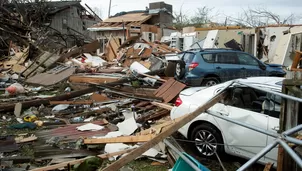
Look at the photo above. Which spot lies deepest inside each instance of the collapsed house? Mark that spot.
(40, 21)
(272, 44)
(151, 24)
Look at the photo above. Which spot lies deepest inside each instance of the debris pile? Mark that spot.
(73, 103)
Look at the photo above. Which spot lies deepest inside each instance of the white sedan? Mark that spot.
(247, 105)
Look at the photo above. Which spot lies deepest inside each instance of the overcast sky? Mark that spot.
(222, 7)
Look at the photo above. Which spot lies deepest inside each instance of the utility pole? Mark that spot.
(109, 8)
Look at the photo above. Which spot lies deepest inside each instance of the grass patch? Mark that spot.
(145, 165)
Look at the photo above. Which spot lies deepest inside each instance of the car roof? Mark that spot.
(268, 81)
(212, 50)
(261, 82)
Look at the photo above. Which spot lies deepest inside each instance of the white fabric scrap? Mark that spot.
(90, 127)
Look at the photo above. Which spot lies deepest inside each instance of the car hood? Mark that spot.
(190, 91)
(274, 65)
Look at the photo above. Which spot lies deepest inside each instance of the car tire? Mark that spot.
(180, 69)
(208, 140)
(210, 81)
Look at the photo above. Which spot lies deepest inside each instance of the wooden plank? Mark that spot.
(88, 79)
(173, 91)
(296, 60)
(173, 128)
(162, 105)
(150, 76)
(123, 139)
(73, 162)
(154, 115)
(99, 97)
(268, 167)
(164, 87)
(46, 79)
(79, 102)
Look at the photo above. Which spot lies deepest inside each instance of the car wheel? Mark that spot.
(180, 69)
(207, 141)
(209, 81)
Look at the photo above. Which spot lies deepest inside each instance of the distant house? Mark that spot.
(151, 24)
(69, 18)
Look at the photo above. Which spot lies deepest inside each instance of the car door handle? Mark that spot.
(223, 113)
(275, 128)
(218, 67)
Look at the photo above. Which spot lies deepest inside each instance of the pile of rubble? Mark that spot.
(73, 103)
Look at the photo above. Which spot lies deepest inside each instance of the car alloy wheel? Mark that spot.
(206, 143)
(211, 83)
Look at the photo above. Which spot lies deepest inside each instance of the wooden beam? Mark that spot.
(268, 167)
(153, 77)
(173, 128)
(82, 102)
(296, 61)
(91, 79)
(123, 139)
(73, 162)
(162, 105)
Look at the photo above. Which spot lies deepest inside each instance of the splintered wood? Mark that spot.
(169, 90)
(123, 139)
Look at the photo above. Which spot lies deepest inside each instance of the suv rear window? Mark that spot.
(209, 58)
(188, 57)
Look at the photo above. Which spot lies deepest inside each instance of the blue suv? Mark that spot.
(209, 67)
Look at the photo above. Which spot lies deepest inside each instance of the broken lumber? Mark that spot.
(92, 79)
(82, 102)
(169, 90)
(173, 128)
(45, 101)
(73, 162)
(162, 105)
(153, 77)
(123, 139)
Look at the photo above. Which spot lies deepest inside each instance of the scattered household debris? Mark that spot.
(75, 102)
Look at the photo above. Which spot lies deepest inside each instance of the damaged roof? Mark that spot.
(129, 19)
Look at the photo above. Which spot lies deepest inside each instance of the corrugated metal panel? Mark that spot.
(70, 132)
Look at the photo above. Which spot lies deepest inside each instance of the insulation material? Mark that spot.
(128, 126)
(90, 127)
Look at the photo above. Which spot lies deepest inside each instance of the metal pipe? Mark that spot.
(293, 130)
(182, 156)
(258, 156)
(293, 140)
(291, 152)
(273, 92)
(263, 131)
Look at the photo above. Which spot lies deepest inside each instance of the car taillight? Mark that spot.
(193, 65)
(178, 102)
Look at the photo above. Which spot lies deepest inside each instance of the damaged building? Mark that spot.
(151, 24)
(65, 21)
